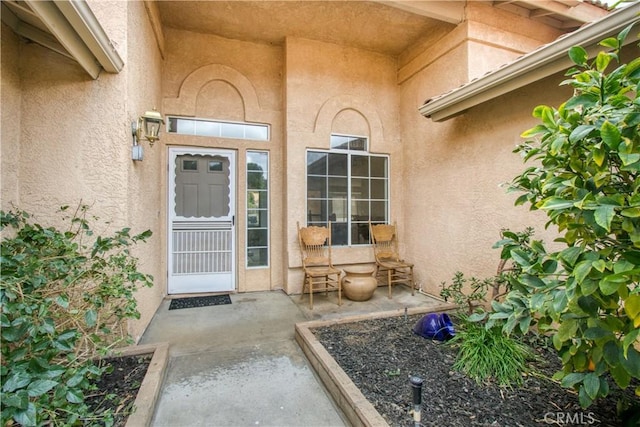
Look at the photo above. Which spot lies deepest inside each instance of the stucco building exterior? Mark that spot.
(278, 113)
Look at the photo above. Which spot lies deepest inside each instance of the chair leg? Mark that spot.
(339, 290)
(304, 286)
(389, 274)
(310, 293)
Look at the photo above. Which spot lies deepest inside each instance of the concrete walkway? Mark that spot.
(238, 364)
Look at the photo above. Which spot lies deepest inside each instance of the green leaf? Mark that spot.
(75, 396)
(620, 376)
(520, 257)
(570, 255)
(599, 265)
(581, 132)
(18, 400)
(497, 315)
(630, 339)
(631, 363)
(548, 118)
(596, 333)
(40, 387)
(598, 156)
(589, 286)
(578, 55)
(627, 152)
(62, 300)
(27, 417)
(610, 134)
(610, 284)
(583, 398)
(477, 317)
(611, 353)
(631, 212)
(572, 379)
(610, 42)
(557, 203)
(90, 317)
(532, 281)
(632, 306)
(632, 256)
(583, 100)
(17, 380)
(582, 270)
(537, 301)
(538, 129)
(602, 61)
(75, 380)
(623, 35)
(567, 329)
(592, 385)
(589, 305)
(604, 215)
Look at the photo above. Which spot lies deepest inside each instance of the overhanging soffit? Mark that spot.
(536, 65)
(562, 14)
(67, 27)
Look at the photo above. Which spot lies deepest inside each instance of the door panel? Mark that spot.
(201, 220)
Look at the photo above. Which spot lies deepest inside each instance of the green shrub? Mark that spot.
(66, 297)
(586, 178)
(487, 354)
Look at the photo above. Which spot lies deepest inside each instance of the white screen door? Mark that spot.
(201, 220)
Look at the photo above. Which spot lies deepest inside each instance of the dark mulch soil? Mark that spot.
(381, 355)
(117, 389)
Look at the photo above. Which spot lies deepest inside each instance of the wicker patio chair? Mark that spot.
(319, 272)
(391, 268)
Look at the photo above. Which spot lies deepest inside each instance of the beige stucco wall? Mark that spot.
(66, 137)
(143, 72)
(455, 173)
(9, 118)
(331, 88)
(212, 77)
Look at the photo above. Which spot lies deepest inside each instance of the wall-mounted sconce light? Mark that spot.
(147, 127)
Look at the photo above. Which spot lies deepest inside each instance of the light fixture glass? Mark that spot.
(147, 127)
(151, 122)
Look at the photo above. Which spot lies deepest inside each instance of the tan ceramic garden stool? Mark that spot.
(358, 283)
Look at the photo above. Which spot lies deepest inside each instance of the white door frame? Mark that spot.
(181, 231)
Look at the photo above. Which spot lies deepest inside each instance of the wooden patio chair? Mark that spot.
(391, 268)
(319, 272)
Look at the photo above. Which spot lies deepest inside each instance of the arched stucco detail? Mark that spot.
(333, 106)
(185, 103)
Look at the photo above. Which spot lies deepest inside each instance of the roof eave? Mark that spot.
(68, 27)
(529, 68)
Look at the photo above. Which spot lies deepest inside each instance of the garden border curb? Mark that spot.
(355, 407)
(150, 388)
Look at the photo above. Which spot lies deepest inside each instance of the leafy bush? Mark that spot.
(486, 353)
(66, 296)
(586, 178)
(472, 292)
(458, 291)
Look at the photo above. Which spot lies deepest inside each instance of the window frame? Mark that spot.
(221, 124)
(266, 210)
(349, 177)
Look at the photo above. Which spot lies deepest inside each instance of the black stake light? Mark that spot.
(416, 386)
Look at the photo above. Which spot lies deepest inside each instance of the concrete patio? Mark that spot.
(239, 364)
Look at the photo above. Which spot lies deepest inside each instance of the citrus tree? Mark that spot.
(586, 177)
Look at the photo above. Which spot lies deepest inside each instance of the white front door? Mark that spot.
(201, 220)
